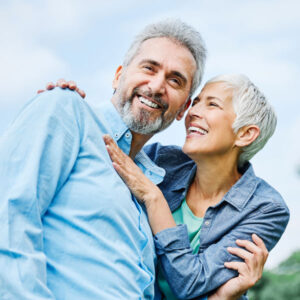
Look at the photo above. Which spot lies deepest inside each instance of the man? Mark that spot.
(70, 228)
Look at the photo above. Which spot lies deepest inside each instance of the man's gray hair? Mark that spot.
(178, 31)
(251, 108)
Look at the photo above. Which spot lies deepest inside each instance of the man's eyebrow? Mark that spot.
(150, 61)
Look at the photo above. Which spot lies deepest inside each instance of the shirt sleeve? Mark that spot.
(192, 275)
(37, 154)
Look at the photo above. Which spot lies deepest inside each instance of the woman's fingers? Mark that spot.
(50, 86)
(244, 254)
(260, 243)
(62, 83)
(72, 85)
(113, 150)
(235, 265)
(80, 92)
(257, 247)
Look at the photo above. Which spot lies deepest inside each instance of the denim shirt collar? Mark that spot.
(123, 137)
(243, 189)
(237, 196)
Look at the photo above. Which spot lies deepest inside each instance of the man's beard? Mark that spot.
(141, 122)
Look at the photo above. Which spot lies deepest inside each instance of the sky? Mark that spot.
(85, 40)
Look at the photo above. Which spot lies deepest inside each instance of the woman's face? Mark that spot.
(209, 123)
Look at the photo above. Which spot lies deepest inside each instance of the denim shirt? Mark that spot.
(70, 228)
(250, 206)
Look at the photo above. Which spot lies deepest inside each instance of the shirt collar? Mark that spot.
(112, 117)
(243, 189)
(238, 195)
(183, 179)
(123, 137)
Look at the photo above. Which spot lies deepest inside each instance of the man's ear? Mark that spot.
(183, 110)
(117, 77)
(247, 135)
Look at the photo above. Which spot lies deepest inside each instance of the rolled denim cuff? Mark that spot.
(175, 238)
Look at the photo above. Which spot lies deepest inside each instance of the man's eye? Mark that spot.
(175, 81)
(146, 67)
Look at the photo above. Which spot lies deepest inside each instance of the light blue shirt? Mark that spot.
(69, 226)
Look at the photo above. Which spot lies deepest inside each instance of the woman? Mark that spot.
(210, 195)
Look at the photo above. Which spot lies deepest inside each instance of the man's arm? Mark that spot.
(37, 154)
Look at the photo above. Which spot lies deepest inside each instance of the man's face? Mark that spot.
(154, 88)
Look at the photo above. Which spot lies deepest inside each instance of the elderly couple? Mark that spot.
(88, 213)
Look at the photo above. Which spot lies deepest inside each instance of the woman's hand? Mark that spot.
(62, 83)
(250, 271)
(142, 187)
(159, 214)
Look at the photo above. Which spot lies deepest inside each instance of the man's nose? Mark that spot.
(157, 84)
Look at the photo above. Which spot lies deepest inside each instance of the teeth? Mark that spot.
(148, 102)
(196, 129)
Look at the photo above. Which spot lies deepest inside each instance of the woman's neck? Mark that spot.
(213, 179)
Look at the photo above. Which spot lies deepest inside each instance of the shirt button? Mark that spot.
(116, 135)
(206, 223)
(127, 135)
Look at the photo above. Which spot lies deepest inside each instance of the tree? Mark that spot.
(281, 283)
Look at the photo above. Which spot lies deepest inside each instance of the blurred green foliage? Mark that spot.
(281, 283)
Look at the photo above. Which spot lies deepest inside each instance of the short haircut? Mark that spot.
(251, 108)
(178, 31)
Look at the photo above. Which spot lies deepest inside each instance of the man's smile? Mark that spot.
(148, 102)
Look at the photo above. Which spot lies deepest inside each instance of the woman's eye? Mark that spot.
(195, 101)
(213, 104)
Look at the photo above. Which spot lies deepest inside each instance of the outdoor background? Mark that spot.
(86, 40)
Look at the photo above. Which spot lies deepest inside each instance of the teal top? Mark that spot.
(182, 215)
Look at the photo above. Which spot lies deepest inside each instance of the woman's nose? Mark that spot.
(196, 110)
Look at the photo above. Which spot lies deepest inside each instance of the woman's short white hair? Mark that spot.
(251, 108)
(178, 31)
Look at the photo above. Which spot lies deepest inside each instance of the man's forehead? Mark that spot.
(163, 50)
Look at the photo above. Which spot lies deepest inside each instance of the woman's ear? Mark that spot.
(186, 106)
(118, 73)
(247, 135)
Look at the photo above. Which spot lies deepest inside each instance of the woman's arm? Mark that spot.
(160, 218)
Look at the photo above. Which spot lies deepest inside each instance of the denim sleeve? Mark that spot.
(192, 275)
(37, 154)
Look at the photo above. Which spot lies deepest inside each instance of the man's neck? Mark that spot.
(137, 143)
